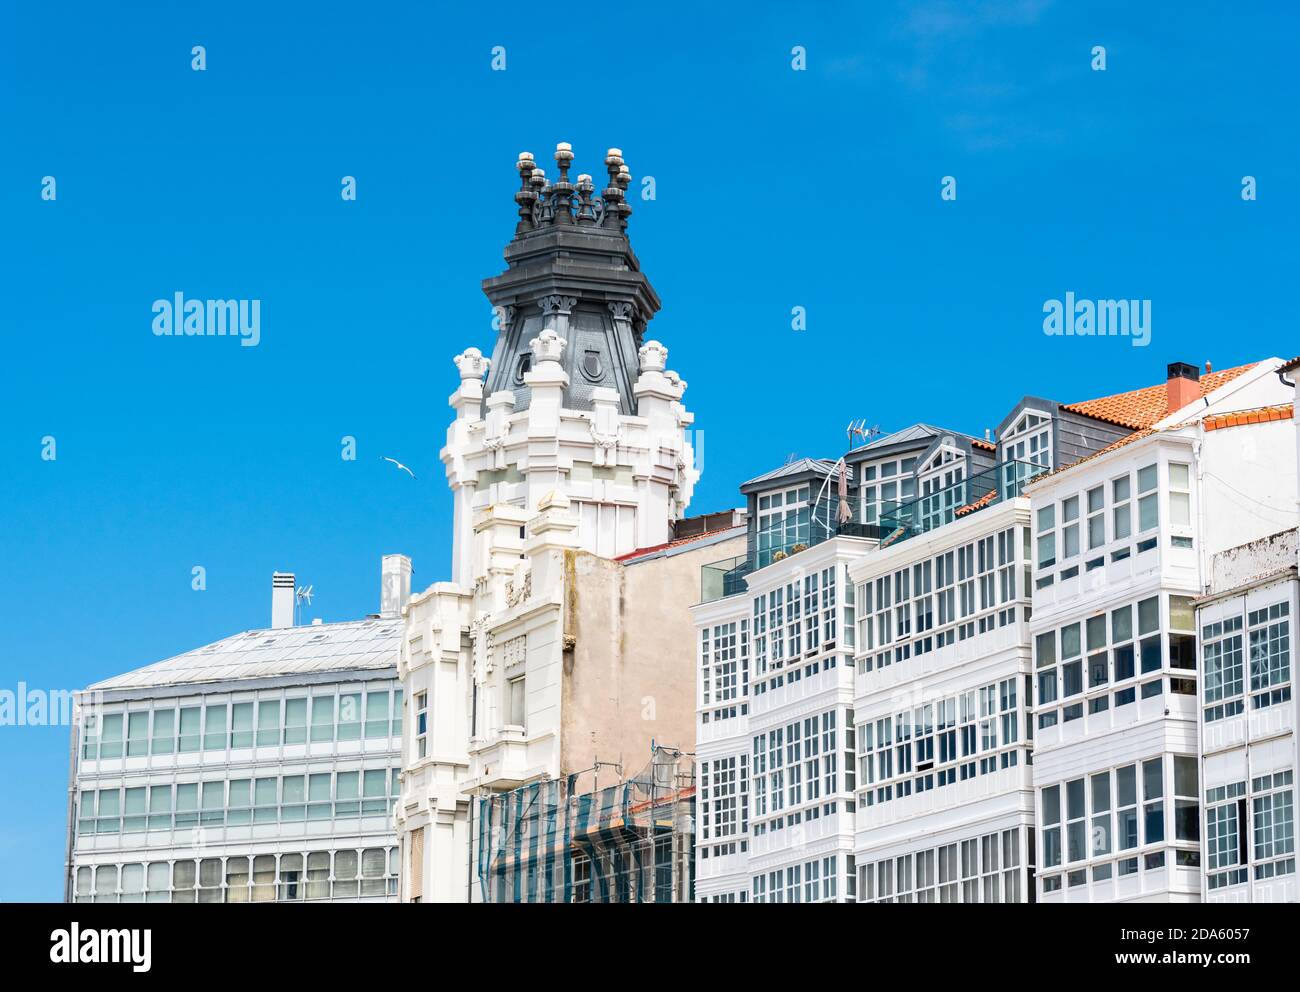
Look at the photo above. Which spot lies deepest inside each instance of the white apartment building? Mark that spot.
(1024, 711)
(260, 768)
(1248, 722)
(774, 730)
(1121, 545)
(945, 780)
(945, 784)
(1246, 621)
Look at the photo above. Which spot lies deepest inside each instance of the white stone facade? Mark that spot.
(483, 655)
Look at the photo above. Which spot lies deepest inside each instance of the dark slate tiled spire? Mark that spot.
(570, 268)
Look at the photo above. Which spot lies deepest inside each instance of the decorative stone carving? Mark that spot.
(515, 596)
(472, 364)
(557, 304)
(654, 357)
(621, 311)
(547, 346)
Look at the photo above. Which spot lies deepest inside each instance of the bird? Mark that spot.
(399, 465)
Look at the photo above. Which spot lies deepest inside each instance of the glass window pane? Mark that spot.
(322, 718)
(214, 726)
(241, 725)
(164, 731)
(268, 722)
(377, 717)
(295, 721)
(350, 717)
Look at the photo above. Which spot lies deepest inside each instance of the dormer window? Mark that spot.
(941, 476)
(885, 486)
(1029, 440)
(782, 521)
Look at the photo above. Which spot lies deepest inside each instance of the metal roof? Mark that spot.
(917, 432)
(797, 467)
(326, 647)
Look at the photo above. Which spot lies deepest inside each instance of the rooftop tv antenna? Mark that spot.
(301, 595)
(859, 429)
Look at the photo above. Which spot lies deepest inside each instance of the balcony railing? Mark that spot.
(819, 522)
(809, 526)
(723, 578)
(1003, 481)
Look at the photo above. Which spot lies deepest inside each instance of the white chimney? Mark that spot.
(394, 585)
(282, 590)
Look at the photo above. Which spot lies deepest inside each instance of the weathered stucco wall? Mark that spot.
(1251, 562)
(630, 677)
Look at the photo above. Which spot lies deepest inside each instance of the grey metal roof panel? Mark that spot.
(796, 467)
(356, 644)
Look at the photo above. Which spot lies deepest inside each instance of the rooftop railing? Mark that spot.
(786, 535)
(919, 516)
(819, 522)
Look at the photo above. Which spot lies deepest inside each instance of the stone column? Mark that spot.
(547, 382)
(467, 401)
(658, 396)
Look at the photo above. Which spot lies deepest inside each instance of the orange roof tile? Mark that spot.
(672, 544)
(981, 443)
(1126, 439)
(1260, 415)
(983, 501)
(1141, 408)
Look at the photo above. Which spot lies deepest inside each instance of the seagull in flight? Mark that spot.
(399, 465)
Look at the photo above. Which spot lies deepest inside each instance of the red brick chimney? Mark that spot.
(1184, 386)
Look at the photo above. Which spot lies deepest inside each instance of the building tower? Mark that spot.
(576, 453)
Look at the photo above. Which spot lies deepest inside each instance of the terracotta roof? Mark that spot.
(1141, 408)
(1125, 440)
(1291, 366)
(983, 501)
(1260, 415)
(1237, 418)
(986, 445)
(673, 544)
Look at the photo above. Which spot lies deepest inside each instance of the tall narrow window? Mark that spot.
(421, 724)
(517, 701)
(1148, 499)
(1051, 826)
(1121, 513)
(1180, 505)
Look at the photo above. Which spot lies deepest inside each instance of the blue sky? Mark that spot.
(775, 189)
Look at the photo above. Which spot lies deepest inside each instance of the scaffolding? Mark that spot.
(568, 840)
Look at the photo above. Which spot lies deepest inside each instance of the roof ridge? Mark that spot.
(1146, 406)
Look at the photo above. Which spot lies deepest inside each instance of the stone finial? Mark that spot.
(654, 357)
(472, 364)
(563, 156)
(526, 197)
(537, 180)
(586, 205)
(547, 346)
